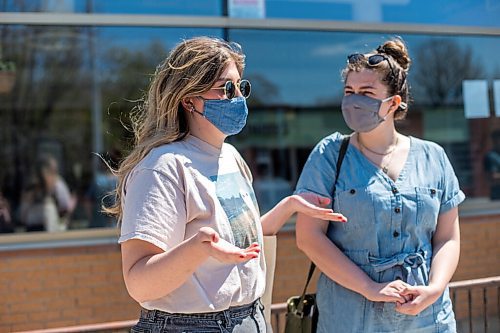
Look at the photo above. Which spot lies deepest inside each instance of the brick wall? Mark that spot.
(81, 285)
(62, 287)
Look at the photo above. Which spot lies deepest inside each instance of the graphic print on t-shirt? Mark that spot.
(238, 201)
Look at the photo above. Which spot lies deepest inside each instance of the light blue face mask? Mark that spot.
(228, 115)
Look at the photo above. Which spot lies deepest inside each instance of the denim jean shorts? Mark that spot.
(239, 319)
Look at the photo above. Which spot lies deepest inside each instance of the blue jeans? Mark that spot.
(239, 319)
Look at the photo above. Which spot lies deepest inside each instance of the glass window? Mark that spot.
(448, 12)
(169, 7)
(65, 93)
(298, 90)
(65, 97)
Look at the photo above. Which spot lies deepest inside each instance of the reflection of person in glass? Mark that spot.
(190, 227)
(6, 224)
(46, 202)
(394, 257)
(492, 166)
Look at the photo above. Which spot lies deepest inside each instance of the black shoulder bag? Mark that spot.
(302, 313)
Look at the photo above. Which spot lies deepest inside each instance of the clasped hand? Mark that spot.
(410, 300)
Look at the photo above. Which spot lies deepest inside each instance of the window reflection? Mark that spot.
(53, 175)
(48, 156)
(299, 101)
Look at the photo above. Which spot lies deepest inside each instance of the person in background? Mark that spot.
(387, 269)
(38, 209)
(6, 224)
(65, 201)
(191, 234)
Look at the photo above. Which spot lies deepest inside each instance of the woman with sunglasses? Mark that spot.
(387, 268)
(191, 234)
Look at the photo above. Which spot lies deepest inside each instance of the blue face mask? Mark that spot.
(228, 115)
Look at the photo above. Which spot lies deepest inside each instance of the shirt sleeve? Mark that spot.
(318, 174)
(452, 195)
(154, 209)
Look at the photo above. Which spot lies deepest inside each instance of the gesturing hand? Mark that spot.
(224, 251)
(420, 297)
(311, 204)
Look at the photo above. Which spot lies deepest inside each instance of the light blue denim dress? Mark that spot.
(388, 233)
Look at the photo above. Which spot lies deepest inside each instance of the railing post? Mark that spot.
(469, 297)
(485, 308)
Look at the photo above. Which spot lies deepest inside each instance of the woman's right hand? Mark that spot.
(387, 292)
(224, 251)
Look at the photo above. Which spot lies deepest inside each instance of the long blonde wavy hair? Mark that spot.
(190, 69)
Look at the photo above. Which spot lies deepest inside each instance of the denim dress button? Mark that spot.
(395, 234)
(397, 210)
(352, 191)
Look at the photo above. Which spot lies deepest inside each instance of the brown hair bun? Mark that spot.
(397, 49)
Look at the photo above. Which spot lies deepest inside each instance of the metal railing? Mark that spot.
(476, 304)
(480, 310)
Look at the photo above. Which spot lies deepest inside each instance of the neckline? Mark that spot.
(378, 170)
(203, 145)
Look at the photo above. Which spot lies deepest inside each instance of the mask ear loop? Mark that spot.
(389, 112)
(198, 112)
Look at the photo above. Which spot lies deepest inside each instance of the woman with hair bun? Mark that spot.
(387, 268)
(191, 234)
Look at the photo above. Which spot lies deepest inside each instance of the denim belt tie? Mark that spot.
(413, 264)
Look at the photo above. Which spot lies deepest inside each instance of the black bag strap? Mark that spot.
(340, 159)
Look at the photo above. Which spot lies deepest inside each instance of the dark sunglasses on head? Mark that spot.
(230, 88)
(372, 60)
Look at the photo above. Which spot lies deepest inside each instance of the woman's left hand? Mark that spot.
(419, 298)
(311, 204)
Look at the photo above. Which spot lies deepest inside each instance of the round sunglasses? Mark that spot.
(230, 87)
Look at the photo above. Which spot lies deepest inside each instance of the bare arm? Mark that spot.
(307, 203)
(446, 249)
(312, 240)
(151, 273)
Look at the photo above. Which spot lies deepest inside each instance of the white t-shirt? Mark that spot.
(179, 188)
